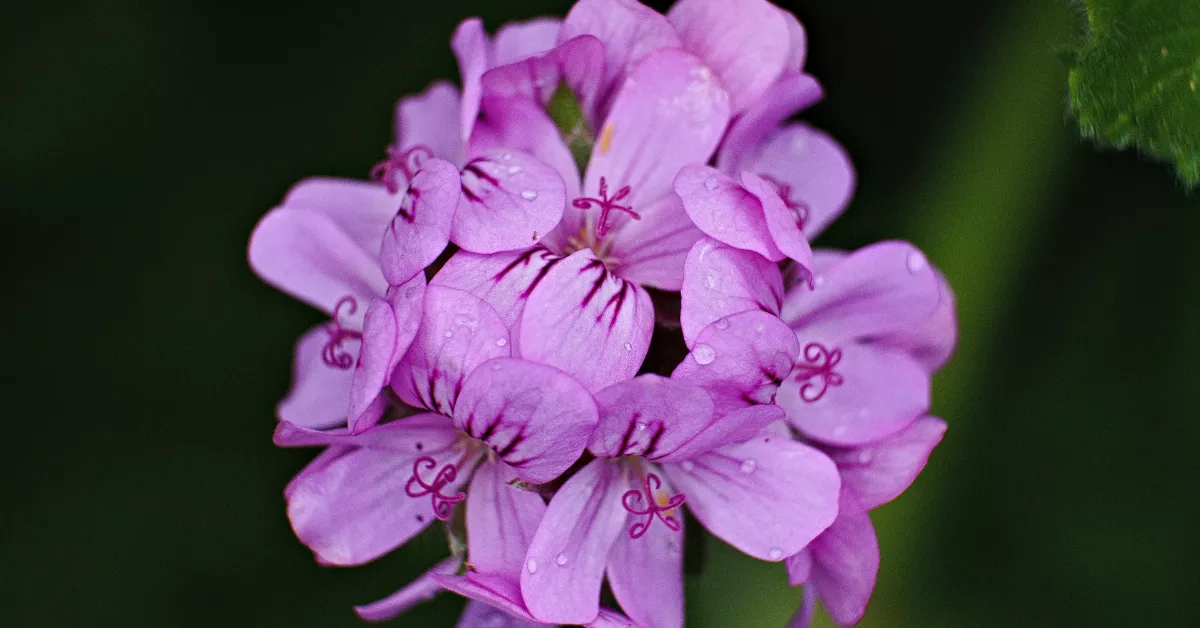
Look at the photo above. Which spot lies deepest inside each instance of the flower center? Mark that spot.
(333, 353)
(606, 204)
(658, 504)
(406, 162)
(442, 504)
(800, 210)
(818, 374)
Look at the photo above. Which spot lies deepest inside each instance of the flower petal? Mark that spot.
(579, 63)
(458, 332)
(319, 391)
(726, 211)
(732, 427)
(746, 42)
(813, 165)
(799, 567)
(868, 394)
(509, 201)
(534, 416)
(431, 119)
(561, 579)
(720, 281)
(807, 610)
(420, 590)
(768, 497)
(470, 46)
(651, 251)
(501, 520)
(878, 473)
(932, 341)
(388, 329)
(500, 592)
(783, 221)
(359, 209)
(304, 253)
(587, 322)
(420, 227)
(628, 29)
(520, 40)
(408, 437)
(740, 361)
(845, 563)
(349, 504)
(872, 293)
(482, 615)
(671, 112)
(648, 416)
(521, 124)
(646, 574)
(793, 92)
(504, 280)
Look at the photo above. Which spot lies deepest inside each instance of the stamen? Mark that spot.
(333, 353)
(654, 508)
(442, 504)
(408, 162)
(800, 209)
(606, 204)
(820, 365)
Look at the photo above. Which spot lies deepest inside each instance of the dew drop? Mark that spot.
(531, 565)
(916, 262)
(628, 346)
(723, 323)
(864, 456)
(641, 426)
(775, 553)
(748, 465)
(710, 185)
(710, 280)
(704, 354)
(529, 195)
(560, 560)
(759, 327)
(688, 465)
(501, 342)
(506, 156)
(514, 170)
(449, 333)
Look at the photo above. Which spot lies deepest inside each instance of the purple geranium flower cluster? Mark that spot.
(493, 292)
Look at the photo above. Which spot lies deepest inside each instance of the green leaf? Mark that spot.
(567, 113)
(1135, 77)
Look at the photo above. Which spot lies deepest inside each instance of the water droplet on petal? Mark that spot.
(775, 553)
(818, 281)
(531, 565)
(704, 354)
(561, 560)
(916, 262)
(529, 195)
(710, 280)
(749, 465)
(758, 327)
(864, 456)
(501, 342)
(723, 323)
(449, 333)
(628, 346)
(641, 426)
(688, 465)
(506, 156)
(710, 185)
(514, 170)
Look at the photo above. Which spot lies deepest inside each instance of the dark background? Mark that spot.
(141, 141)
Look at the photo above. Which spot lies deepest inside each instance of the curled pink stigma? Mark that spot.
(818, 371)
(407, 162)
(442, 504)
(333, 353)
(606, 204)
(632, 498)
(800, 210)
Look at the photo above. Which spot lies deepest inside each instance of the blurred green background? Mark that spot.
(140, 142)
